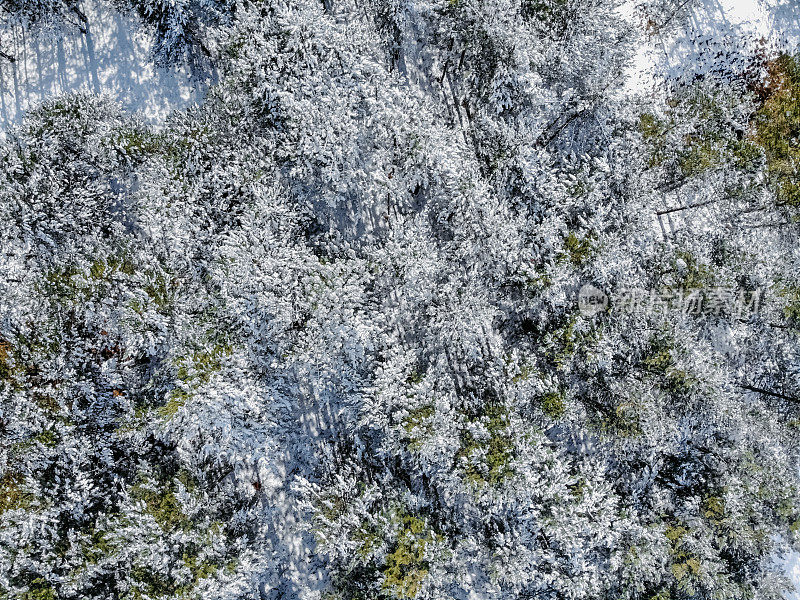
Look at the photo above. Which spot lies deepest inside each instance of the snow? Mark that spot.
(710, 34)
(694, 41)
(112, 58)
(792, 564)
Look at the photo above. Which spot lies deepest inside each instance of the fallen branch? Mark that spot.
(758, 390)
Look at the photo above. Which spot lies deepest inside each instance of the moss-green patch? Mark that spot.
(39, 589)
(488, 458)
(577, 488)
(569, 341)
(72, 284)
(394, 553)
(98, 546)
(553, 404)
(62, 284)
(418, 426)
(577, 250)
(6, 361)
(103, 269)
(552, 15)
(200, 569)
(659, 360)
(790, 294)
(536, 279)
(160, 289)
(526, 371)
(58, 115)
(698, 156)
(176, 400)
(651, 127)
(12, 493)
(713, 508)
(685, 566)
(415, 378)
(406, 566)
(194, 371)
(48, 438)
(21, 365)
(148, 583)
(139, 143)
(331, 507)
(162, 503)
(690, 273)
(653, 132)
(777, 129)
(746, 155)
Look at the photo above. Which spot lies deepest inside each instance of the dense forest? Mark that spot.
(421, 301)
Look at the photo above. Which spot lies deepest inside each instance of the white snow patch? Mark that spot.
(112, 58)
(712, 34)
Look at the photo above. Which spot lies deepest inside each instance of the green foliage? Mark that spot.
(71, 284)
(193, 372)
(553, 404)
(104, 269)
(526, 371)
(551, 15)
(713, 508)
(570, 341)
(200, 569)
(746, 154)
(162, 503)
(12, 493)
(694, 274)
(6, 361)
(331, 507)
(777, 129)
(415, 378)
(699, 155)
(202, 364)
(406, 566)
(48, 438)
(392, 559)
(160, 289)
(653, 132)
(369, 538)
(138, 144)
(660, 361)
(710, 144)
(39, 589)
(577, 250)
(60, 284)
(536, 279)
(57, 115)
(176, 400)
(150, 584)
(488, 456)
(650, 126)
(685, 566)
(791, 307)
(21, 364)
(99, 546)
(418, 425)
